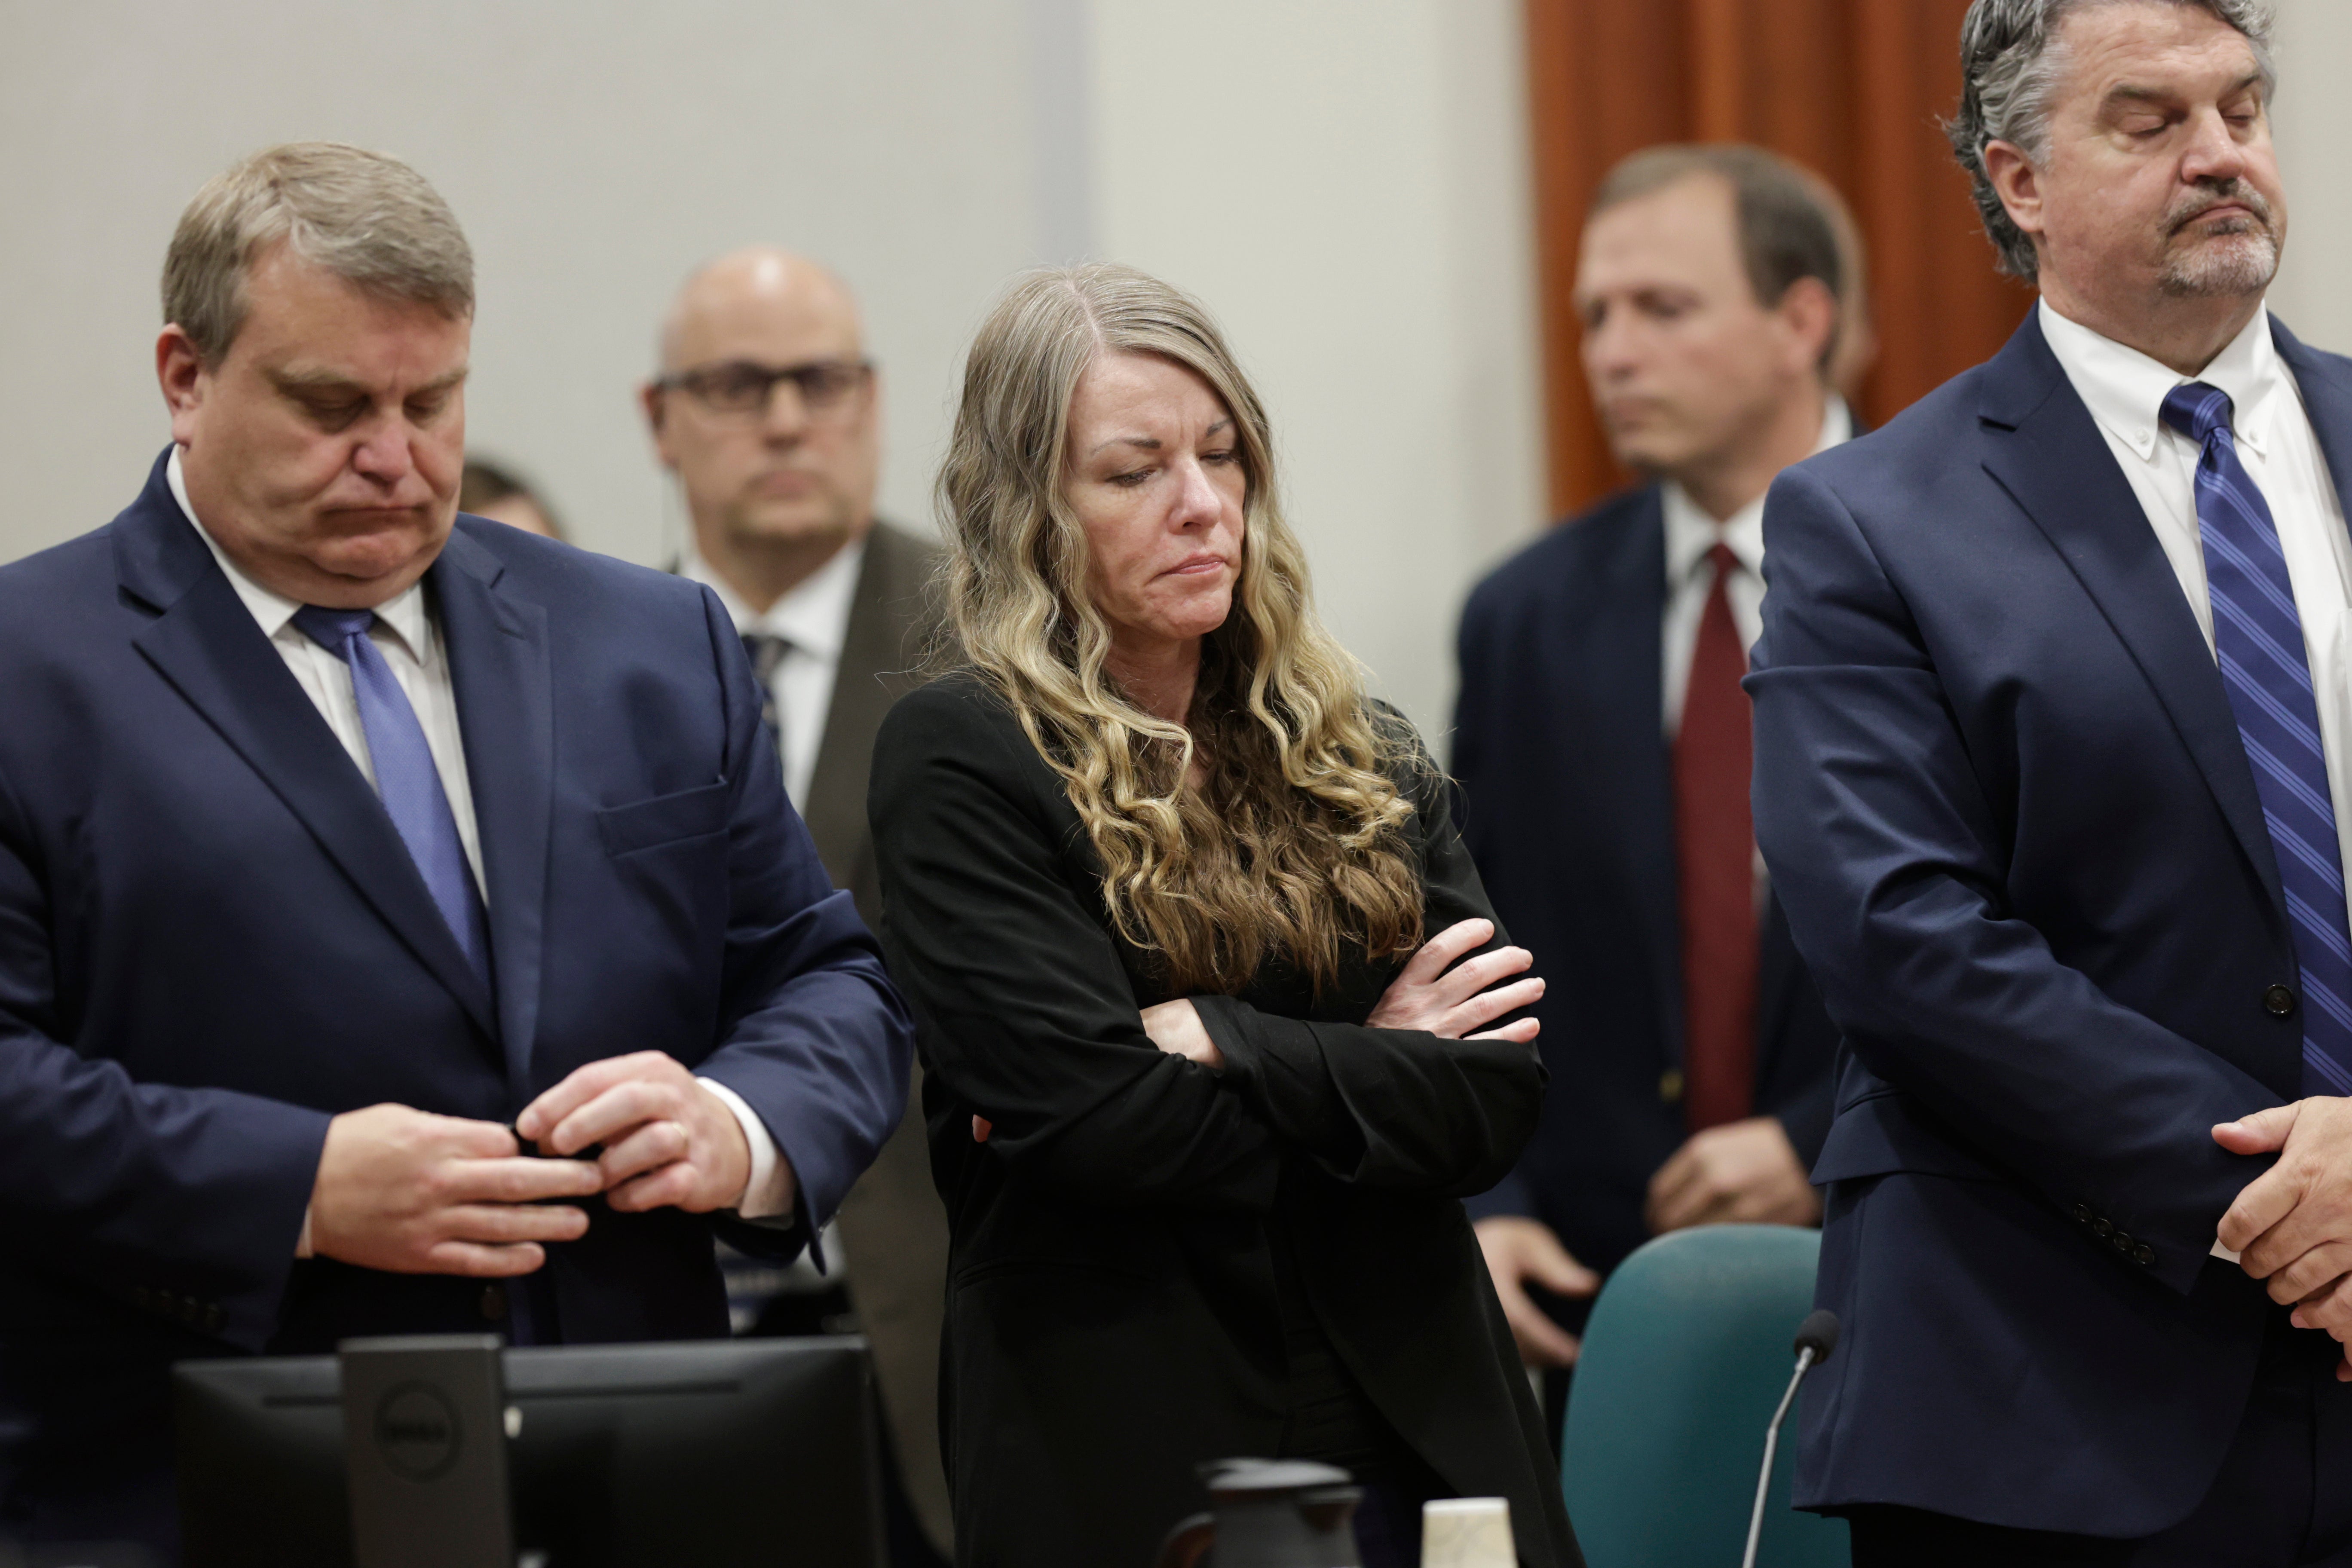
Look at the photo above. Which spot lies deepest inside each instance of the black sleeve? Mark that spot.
(1025, 1014)
(1401, 1110)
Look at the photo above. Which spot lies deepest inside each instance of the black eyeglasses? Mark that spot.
(740, 388)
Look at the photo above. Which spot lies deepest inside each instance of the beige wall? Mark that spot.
(595, 151)
(2313, 122)
(1344, 184)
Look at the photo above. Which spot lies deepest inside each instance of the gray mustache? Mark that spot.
(2236, 191)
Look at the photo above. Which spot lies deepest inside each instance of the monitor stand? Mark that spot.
(425, 1444)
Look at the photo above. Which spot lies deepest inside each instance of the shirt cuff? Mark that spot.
(768, 1192)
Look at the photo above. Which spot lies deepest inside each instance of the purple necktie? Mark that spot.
(405, 774)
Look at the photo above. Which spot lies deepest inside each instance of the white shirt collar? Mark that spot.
(403, 614)
(814, 617)
(1691, 532)
(2124, 389)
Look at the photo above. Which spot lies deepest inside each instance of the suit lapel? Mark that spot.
(499, 663)
(1626, 691)
(204, 642)
(2042, 447)
(2325, 385)
(870, 676)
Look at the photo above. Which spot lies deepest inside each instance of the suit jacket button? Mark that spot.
(494, 1303)
(1670, 1085)
(2102, 1227)
(2144, 1255)
(2278, 1001)
(2122, 1242)
(2081, 1214)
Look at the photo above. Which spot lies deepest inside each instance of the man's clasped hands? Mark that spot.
(414, 1192)
(2292, 1227)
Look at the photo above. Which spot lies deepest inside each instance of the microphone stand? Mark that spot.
(1771, 1446)
(1816, 1337)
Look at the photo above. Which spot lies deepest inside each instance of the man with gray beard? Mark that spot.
(2054, 776)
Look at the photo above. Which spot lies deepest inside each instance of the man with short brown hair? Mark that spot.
(1600, 738)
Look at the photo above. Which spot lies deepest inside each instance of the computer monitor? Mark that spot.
(717, 1454)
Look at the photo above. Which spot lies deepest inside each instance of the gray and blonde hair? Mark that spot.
(2012, 61)
(367, 217)
(1291, 846)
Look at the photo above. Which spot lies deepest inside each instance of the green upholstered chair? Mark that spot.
(1685, 1357)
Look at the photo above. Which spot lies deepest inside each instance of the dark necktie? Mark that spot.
(753, 1284)
(767, 651)
(1715, 843)
(2258, 639)
(405, 777)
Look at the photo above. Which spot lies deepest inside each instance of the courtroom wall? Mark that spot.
(1345, 184)
(2314, 124)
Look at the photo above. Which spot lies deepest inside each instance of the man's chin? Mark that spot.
(353, 574)
(2230, 265)
(1650, 454)
(754, 529)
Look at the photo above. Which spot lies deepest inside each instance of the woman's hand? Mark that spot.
(1451, 1002)
(1176, 1027)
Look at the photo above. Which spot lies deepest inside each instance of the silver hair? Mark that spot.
(365, 216)
(2010, 64)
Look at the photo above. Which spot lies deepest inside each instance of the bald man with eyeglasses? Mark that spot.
(767, 410)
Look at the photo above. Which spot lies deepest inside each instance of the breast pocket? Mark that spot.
(642, 824)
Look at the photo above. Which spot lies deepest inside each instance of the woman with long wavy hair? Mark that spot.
(1218, 1022)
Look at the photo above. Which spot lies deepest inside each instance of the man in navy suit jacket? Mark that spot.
(2054, 762)
(301, 909)
(1589, 739)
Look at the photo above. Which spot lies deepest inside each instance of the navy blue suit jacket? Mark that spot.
(2004, 800)
(212, 939)
(1569, 810)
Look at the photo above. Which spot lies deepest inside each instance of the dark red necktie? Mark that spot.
(1715, 840)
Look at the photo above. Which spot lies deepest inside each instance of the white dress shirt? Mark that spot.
(813, 620)
(2125, 391)
(409, 637)
(410, 640)
(1690, 534)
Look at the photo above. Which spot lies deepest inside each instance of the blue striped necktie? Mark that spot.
(405, 774)
(2257, 638)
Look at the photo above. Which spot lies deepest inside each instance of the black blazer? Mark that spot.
(1112, 1317)
(1564, 766)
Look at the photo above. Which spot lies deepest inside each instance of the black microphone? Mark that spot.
(1816, 1337)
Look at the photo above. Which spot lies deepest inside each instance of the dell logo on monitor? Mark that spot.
(417, 1431)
